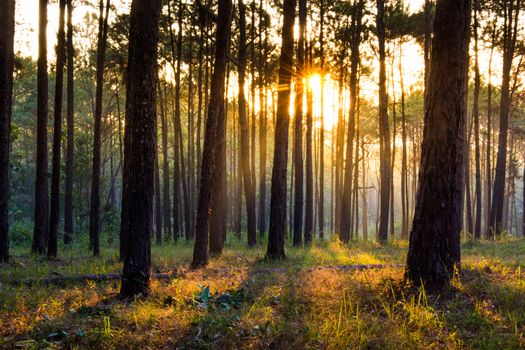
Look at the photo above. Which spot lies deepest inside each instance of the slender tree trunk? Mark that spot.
(249, 186)
(298, 130)
(468, 196)
(57, 134)
(384, 134)
(94, 212)
(309, 202)
(475, 112)
(158, 210)
(166, 203)
(321, 129)
(7, 33)
(140, 139)
(434, 251)
(200, 252)
(404, 177)
(278, 193)
(488, 155)
(41, 191)
(70, 146)
(346, 205)
(509, 43)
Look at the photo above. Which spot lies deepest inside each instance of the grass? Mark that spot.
(240, 301)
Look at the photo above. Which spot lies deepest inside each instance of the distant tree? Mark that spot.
(41, 191)
(280, 157)
(57, 134)
(200, 251)
(7, 32)
(140, 147)
(434, 251)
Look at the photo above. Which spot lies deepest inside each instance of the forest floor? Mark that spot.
(313, 300)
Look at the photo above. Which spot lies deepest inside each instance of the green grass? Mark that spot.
(240, 301)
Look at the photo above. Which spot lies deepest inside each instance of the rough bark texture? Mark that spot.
(70, 145)
(94, 211)
(280, 158)
(200, 251)
(434, 251)
(57, 134)
(140, 146)
(41, 191)
(7, 32)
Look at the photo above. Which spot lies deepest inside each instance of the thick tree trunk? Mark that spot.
(434, 251)
(57, 134)
(41, 191)
(200, 251)
(140, 140)
(280, 159)
(94, 212)
(7, 33)
(384, 133)
(70, 146)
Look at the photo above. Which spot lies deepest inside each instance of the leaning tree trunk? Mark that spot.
(280, 158)
(200, 248)
(41, 191)
(94, 211)
(140, 147)
(70, 146)
(434, 251)
(7, 33)
(57, 134)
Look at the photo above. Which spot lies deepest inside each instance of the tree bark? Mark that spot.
(384, 134)
(166, 203)
(94, 212)
(41, 191)
(70, 146)
(140, 143)
(475, 112)
(7, 33)
(278, 193)
(200, 250)
(57, 134)
(434, 251)
(510, 29)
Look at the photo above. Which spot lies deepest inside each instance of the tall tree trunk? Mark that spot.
(166, 203)
(70, 146)
(346, 205)
(475, 112)
(94, 212)
(41, 191)
(57, 134)
(278, 193)
(434, 251)
(488, 155)
(263, 124)
(512, 9)
(140, 139)
(309, 199)
(200, 251)
(298, 130)
(7, 33)
(321, 129)
(404, 177)
(384, 133)
(249, 186)
(468, 196)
